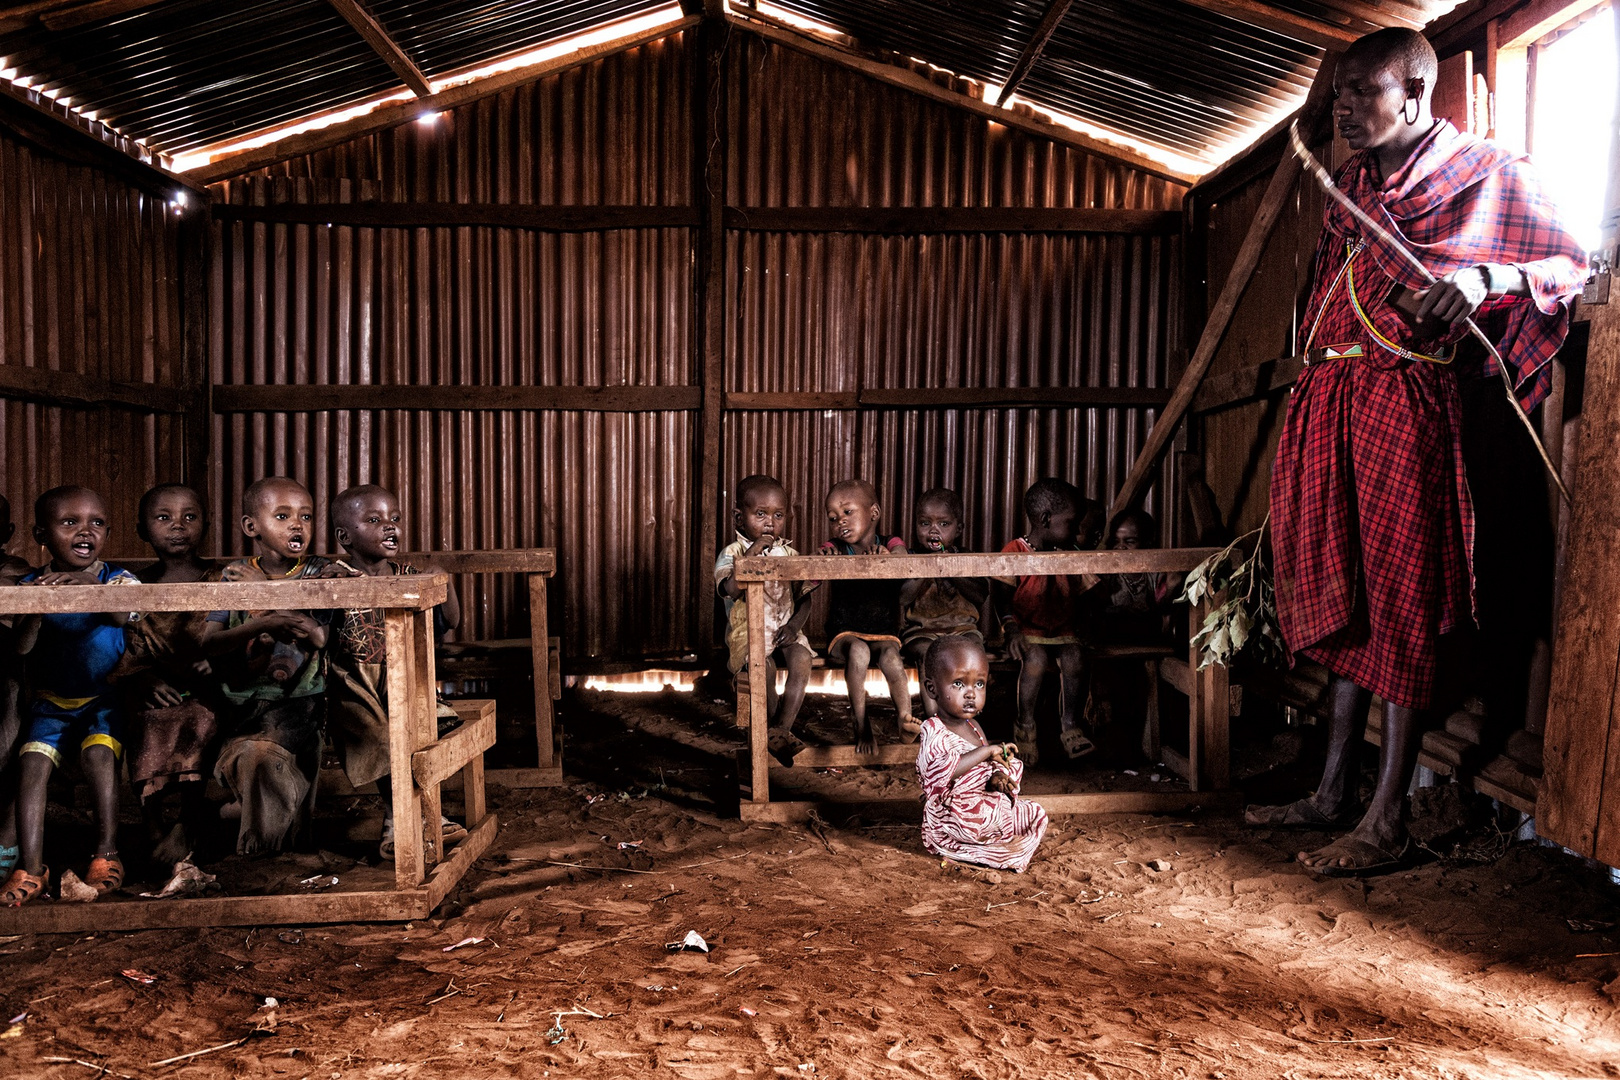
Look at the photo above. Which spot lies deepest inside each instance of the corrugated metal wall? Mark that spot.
(89, 285)
(841, 312)
(805, 312)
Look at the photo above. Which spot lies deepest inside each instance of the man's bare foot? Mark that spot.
(1301, 814)
(1371, 849)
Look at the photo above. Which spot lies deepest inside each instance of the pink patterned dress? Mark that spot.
(964, 821)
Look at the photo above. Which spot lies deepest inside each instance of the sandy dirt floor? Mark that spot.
(1135, 946)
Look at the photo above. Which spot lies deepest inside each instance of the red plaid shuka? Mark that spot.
(1372, 525)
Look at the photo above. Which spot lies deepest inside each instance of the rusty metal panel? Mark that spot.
(805, 312)
(842, 312)
(486, 306)
(89, 285)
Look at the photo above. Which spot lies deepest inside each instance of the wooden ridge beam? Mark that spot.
(895, 220)
(780, 33)
(69, 389)
(301, 398)
(1033, 49)
(404, 215)
(383, 44)
(947, 397)
(953, 219)
(1278, 194)
(1325, 35)
(391, 116)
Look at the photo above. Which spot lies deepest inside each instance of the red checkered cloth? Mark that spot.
(1372, 524)
(1460, 201)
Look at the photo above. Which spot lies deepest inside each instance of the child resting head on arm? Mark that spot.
(971, 809)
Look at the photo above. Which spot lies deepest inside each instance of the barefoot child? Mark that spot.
(863, 617)
(69, 659)
(971, 809)
(11, 701)
(1040, 615)
(365, 521)
(168, 688)
(931, 608)
(272, 665)
(760, 518)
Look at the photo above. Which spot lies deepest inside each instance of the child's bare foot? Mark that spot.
(910, 728)
(173, 847)
(784, 746)
(865, 738)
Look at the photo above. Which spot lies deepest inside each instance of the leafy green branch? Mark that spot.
(1241, 618)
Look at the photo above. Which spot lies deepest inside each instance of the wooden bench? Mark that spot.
(537, 564)
(1209, 707)
(420, 760)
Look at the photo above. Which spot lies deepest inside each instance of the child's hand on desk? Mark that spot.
(337, 568)
(62, 577)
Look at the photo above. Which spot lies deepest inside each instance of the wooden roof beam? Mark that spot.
(67, 14)
(1032, 51)
(394, 114)
(1324, 35)
(384, 46)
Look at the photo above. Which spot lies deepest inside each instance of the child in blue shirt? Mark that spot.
(73, 708)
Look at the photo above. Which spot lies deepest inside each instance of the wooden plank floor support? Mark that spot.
(419, 760)
(1210, 712)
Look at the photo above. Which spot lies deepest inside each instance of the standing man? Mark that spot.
(1371, 516)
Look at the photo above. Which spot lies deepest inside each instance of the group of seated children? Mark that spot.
(1047, 621)
(244, 696)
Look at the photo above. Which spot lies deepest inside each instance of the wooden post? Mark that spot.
(1278, 193)
(198, 422)
(710, 111)
(410, 865)
(540, 646)
(1579, 804)
(758, 719)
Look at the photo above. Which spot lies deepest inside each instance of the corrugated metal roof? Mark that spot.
(184, 74)
(179, 75)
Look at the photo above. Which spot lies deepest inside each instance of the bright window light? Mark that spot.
(1574, 116)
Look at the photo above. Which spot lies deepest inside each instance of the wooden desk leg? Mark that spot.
(1216, 722)
(1209, 718)
(540, 643)
(1196, 704)
(758, 721)
(425, 713)
(410, 868)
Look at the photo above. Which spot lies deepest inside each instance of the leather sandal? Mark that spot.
(22, 886)
(106, 873)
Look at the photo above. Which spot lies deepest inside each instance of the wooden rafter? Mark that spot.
(393, 115)
(66, 14)
(1032, 51)
(906, 79)
(1299, 27)
(356, 15)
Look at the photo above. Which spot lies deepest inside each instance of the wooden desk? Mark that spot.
(1209, 717)
(420, 761)
(538, 564)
